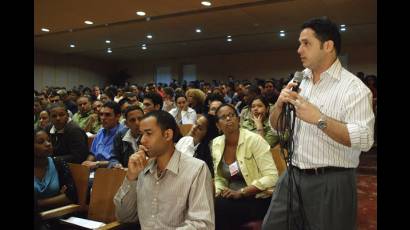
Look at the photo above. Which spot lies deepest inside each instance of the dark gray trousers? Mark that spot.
(329, 200)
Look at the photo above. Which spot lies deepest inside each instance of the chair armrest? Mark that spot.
(58, 212)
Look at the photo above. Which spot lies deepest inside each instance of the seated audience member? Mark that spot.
(37, 110)
(270, 92)
(53, 184)
(132, 99)
(97, 104)
(244, 172)
(152, 102)
(214, 101)
(102, 146)
(54, 98)
(104, 98)
(127, 140)
(196, 142)
(258, 121)
(43, 100)
(44, 120)
(119, 96)
(68, 139)
(182, 113)
(85, 118)
(196, 99)
(169, 102)
(169, 191)
(70, 105)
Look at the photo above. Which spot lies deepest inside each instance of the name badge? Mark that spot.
(234, 168)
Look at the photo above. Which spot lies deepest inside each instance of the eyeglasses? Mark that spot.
(224, 117)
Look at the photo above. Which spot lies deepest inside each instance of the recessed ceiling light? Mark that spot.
(107, 41)
(282, 31)
(206, 3)
(140, 13)
(198, 30)
(228, 36)
(72, 45)
(282, 34)
(343, 25)
(144, 47)
(109, 50)
(45, 30)
(88, 22)
(144, 44)
(229, 39)
(343, 29)
(149, 36)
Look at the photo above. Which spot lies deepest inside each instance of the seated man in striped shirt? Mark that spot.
(169, 190)
(334, 123)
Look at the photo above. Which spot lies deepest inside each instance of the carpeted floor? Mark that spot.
(367, 191)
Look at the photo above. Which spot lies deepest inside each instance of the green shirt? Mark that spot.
(87, 122)
(271, 137)
(246, 122)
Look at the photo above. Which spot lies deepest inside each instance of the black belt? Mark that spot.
(322, 170)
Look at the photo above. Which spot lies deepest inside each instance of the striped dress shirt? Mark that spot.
(344, 97)
(181, 198)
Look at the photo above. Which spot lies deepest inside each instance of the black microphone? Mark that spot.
(298, 77)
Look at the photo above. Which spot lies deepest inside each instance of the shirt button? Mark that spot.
(157, 182)
(152, 216)
(155, 199)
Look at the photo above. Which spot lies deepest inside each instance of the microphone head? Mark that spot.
(298, 77)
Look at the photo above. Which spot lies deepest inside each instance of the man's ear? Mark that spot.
(169, 135)
(157, 107)
(329, 45)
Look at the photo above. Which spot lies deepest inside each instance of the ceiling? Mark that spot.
(253, 24)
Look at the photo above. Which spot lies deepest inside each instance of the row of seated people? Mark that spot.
(230, 185)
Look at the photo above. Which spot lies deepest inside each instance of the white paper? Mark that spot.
(92, 174)
(90, 134)
(90, 224)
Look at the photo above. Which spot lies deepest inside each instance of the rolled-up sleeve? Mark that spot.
(360, 119)
(125, 201)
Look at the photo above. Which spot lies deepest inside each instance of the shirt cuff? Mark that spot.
(359, 138)
(126, 187)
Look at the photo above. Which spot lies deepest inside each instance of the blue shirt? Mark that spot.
(102, 147)
(49, 186)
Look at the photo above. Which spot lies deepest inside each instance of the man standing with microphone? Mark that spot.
(164, 188)
(334, 123)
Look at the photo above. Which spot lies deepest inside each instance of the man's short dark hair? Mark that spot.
(87, 97)
(169, 91)
(325, 30)
(165, 121)
(155, 98)
(56, 105)
(113, 105)
(132, 108)
(253, 89)
(214, 97)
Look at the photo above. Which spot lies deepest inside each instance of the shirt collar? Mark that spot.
(333, 71)
(86, 114)
(111, 131)
(53, 129)
(172, 166)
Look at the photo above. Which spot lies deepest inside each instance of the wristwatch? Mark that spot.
(97, 164)
(322, 122)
